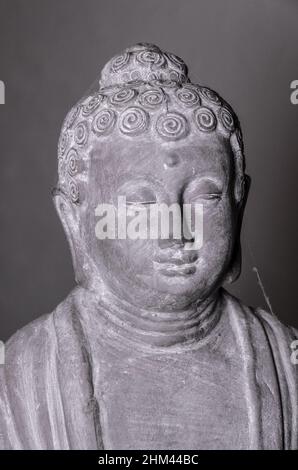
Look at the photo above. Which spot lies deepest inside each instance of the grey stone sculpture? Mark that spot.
(149, 351)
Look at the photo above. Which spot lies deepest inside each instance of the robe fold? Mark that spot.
(47, 400)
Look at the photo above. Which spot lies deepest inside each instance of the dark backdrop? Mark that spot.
(52, 50)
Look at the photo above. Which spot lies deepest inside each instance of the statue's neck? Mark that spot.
(157, 328)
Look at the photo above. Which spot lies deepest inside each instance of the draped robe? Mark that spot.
(47, 398)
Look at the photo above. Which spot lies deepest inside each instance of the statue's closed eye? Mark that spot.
(206, 190)
(208, 196)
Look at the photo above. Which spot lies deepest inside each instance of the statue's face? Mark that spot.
(161, 273)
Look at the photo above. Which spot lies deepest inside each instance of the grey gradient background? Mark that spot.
(52, 50)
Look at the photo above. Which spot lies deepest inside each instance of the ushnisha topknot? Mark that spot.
(143, 90)
(144, 62)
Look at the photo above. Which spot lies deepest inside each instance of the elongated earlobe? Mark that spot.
(69, 216)
(235, 269)
(236, 262)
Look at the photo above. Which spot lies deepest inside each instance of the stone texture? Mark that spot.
(150, 351)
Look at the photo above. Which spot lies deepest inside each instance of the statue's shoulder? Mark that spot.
(38, 338)
(22, 376)
(44, 364)
(275, 324)
(32, 338)
(272, 351)
(257, 315)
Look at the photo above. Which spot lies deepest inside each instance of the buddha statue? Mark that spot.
(150, 351)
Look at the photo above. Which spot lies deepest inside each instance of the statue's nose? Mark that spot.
(178, 232)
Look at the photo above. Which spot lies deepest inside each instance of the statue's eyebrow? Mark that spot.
(134, 181)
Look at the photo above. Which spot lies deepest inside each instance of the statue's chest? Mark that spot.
(193, 400)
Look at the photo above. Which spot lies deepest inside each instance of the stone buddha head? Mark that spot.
(147, 133)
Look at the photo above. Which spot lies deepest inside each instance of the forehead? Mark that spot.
(128, 158)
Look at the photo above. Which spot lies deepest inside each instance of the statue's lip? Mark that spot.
(178, 258)
(174, 269)
(181, 265)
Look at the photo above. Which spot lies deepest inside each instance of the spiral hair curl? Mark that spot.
(144, 89)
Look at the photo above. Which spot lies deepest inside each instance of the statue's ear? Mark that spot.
(246, 188)
(235, 265)
(69, 215)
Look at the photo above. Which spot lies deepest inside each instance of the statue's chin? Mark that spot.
(166, 289)
(172, 290)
